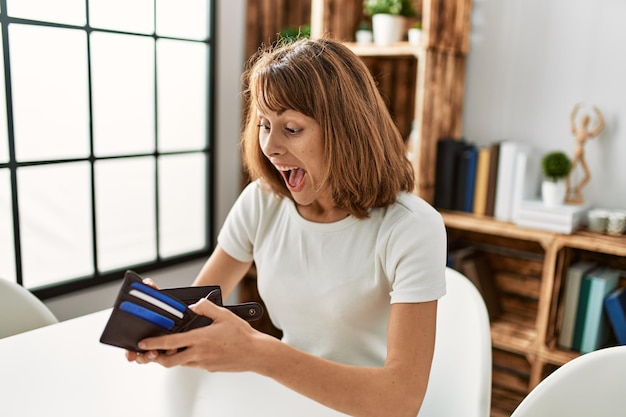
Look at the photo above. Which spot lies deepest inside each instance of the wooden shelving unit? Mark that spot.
(439, 86)
(529, 267)
(426, 84)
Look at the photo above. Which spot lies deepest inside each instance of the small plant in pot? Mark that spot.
(363, 33)
(556, 166)
(388, 19)
(415, 33)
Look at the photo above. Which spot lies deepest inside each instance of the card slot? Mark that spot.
(159, 295)
(125, 330)
(148, 315)
(126, 296)
(156, 302)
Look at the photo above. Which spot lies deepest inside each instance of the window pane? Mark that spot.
(182, 88)
(50, 105)
(4, 137)
(55, 222)
(71, 12)
(182, 19)
(125, 212)
(123, 93)
(137, 16)
(7, 250)
(182, 203)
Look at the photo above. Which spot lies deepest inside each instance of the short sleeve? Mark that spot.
(239, 231)
(416, 255)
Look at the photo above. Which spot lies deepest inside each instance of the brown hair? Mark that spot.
(322, 79)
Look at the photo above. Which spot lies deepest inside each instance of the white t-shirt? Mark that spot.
(329, 286)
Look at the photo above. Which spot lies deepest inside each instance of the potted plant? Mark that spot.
(292, 33)
(556, 166)
(415, 34)
(364, 33)
(388, 17)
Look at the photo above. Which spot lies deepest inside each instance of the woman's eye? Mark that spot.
(264, 126)
(293, 130)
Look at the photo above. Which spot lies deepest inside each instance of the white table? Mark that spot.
(63, 370)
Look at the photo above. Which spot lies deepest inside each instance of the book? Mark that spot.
(503, 205)
(481, 181)
(571, 291)
(446, 167)
(591, 328)
(466, 175)
(490, 199)
(564, 218)
(615, 308)
(527, 178)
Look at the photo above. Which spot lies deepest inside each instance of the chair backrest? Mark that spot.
(460, 376)
(590, 385)
(20, 310)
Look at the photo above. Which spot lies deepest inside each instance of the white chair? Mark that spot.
(590, 385)
(20, 310)
(460, 377)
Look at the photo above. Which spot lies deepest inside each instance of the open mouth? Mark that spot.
(294, 177)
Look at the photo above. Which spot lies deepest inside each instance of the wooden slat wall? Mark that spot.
(266, 18)
(447, 24)
(395, 76)
(442, 110)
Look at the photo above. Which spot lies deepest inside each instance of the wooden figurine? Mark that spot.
(582, 134)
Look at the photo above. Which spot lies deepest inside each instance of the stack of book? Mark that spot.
(565, 218)
(501, 180)
(592, 306)
(465, 176)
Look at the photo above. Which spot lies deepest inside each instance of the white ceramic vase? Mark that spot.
(415, 36)
(364, 36)
(553, 192)
(387, 29)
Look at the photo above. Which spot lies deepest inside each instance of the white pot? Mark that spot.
(387, 29)
(553, 192)
(415, 36)
(364, 36)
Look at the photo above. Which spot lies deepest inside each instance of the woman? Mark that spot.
(349, 263)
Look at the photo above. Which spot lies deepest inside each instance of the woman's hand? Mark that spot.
(226, 345)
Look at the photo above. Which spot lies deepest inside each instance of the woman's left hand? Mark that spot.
(225, 345)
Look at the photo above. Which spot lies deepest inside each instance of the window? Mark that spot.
(105, 138)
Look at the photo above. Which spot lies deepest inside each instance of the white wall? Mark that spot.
(229, 65)
(231, 24)
(531, 61)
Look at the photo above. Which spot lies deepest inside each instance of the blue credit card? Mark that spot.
(147, 315)
(159, 296)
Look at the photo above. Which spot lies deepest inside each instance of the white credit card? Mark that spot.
(158, 303)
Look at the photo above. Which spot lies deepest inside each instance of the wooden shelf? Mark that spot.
(557, 357)
(594, 242)
(489, 225)
(514, 335)
(396, 49)
(532, 336)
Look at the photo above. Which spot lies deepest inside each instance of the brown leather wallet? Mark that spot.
(141, 311)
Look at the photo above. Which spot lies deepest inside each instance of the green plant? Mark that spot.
(394, 7)
(292, 33)
(417, 25)
(556, 165)
(364, 25)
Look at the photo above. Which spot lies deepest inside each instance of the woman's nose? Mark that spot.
(270, 143)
